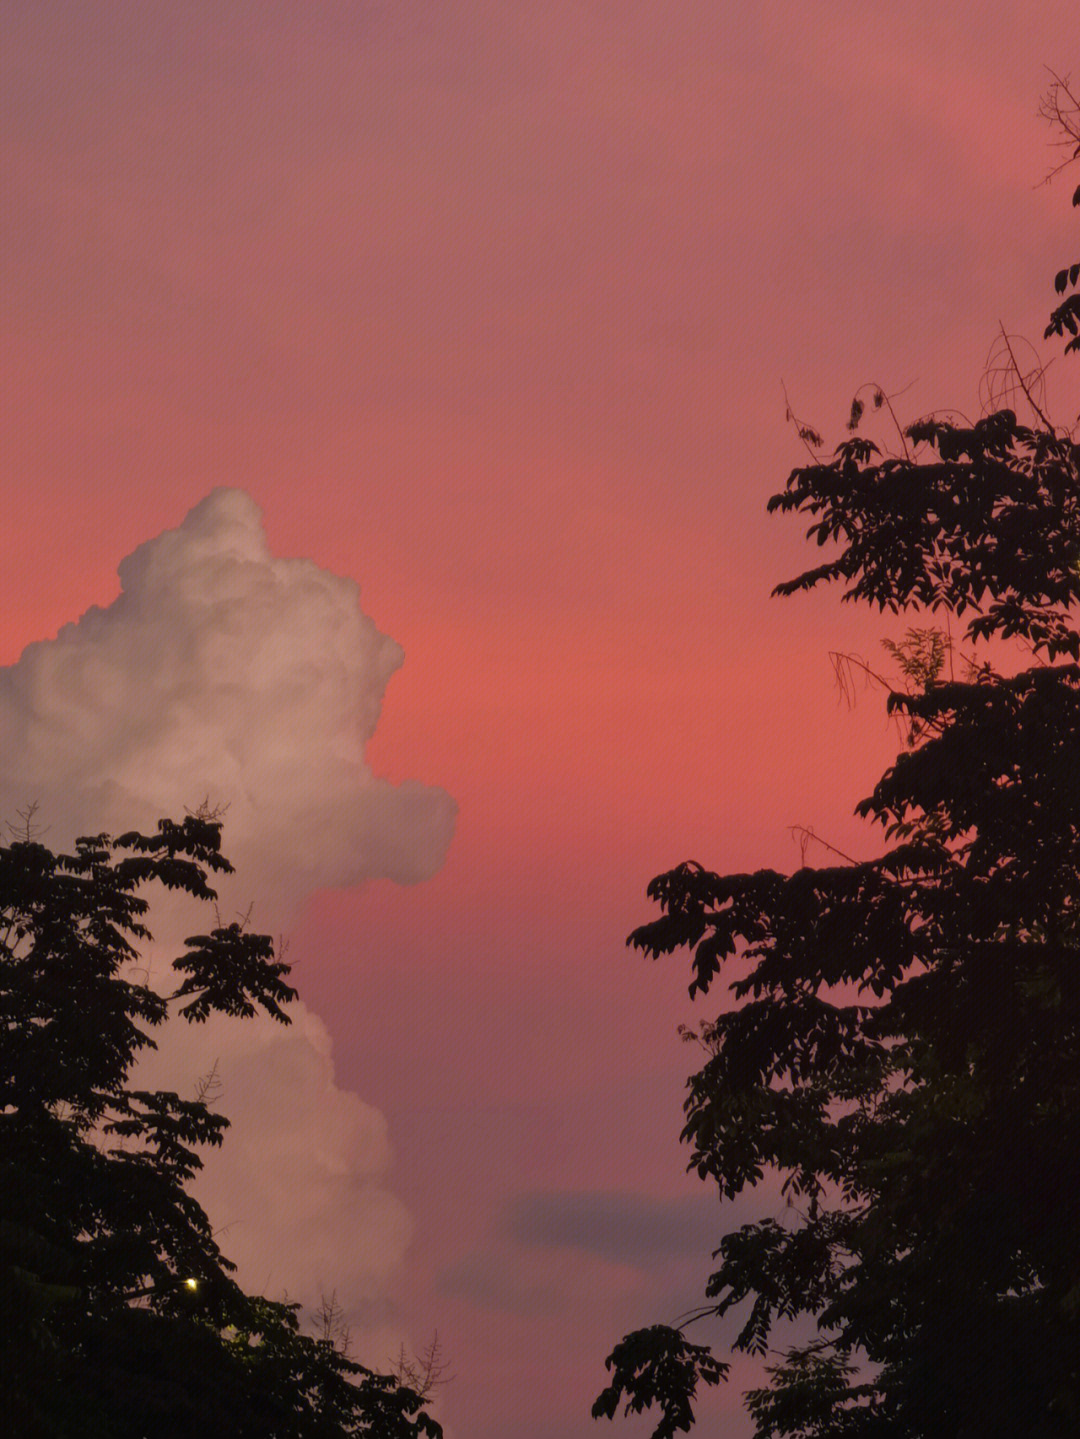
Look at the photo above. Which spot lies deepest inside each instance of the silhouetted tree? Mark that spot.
(118, 1313)
(903, 1046)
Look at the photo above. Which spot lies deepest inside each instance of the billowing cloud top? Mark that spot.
(222, 671)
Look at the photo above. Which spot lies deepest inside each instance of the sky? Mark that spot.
(392, 397)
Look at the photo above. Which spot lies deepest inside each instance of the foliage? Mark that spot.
(119, 1313)
(903, 1046)
(658, 1366)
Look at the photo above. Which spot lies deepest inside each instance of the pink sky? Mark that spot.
(487, 306)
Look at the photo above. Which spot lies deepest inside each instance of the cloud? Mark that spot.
(509, 1278)
(555, 1250)
(221, 671)
(618, 1226)
(613, 1251)
(296, 1193)
(497, 1279)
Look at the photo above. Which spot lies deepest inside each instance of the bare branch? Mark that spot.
(803, 834)
(1064, 115)
(425, 1372)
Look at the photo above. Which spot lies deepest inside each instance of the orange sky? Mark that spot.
(489, 307)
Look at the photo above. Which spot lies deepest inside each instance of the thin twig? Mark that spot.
(1023, 383)
(805, 834)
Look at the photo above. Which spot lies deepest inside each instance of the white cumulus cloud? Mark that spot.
(297, 1192)
(221, 671)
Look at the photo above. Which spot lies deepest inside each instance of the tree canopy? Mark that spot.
(119, 1313)
(902, 1044)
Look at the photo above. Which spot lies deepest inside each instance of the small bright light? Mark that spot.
(191, 1283)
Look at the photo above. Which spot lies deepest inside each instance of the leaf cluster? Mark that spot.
(658, 1366)
(982, 519)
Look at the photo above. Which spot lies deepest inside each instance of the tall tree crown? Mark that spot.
(121, 1315)
(903, 1045)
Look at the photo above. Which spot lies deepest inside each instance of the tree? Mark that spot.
(119, 1313)
(904, 1045)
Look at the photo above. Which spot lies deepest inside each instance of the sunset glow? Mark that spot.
(475, 324)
